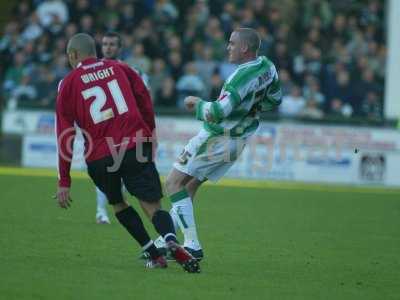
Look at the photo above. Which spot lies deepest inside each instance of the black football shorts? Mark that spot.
(140, 178)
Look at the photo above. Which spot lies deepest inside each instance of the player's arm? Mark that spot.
(65, 131)
(218, 110)
(273, 95)
(142, 95)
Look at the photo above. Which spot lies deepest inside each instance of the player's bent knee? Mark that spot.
(120, 206)
(176, 181)
(150, 207)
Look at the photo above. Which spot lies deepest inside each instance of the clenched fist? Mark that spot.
(190, 102)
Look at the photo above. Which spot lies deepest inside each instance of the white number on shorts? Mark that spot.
(100, 98)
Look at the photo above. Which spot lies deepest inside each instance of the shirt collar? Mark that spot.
(87, 61)
(250, 62)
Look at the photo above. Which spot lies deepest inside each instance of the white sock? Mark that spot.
(160, 242)
(182, 207)
(101, 202)
(174, 218)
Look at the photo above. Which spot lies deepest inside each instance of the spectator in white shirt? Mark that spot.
(48, 10)
(292, 104)
(189, 84)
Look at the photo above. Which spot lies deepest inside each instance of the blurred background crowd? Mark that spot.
(330, 54)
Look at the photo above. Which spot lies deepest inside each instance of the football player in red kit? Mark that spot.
(112, 106)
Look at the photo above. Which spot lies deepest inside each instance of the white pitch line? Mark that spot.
(257, 184)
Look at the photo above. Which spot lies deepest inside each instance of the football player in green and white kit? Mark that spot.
(228, 124)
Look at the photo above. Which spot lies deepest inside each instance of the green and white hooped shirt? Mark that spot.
(252, 88)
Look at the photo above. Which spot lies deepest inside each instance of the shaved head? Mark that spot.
(249, 37)
(83, 44)
(243, 45)
(80, 47)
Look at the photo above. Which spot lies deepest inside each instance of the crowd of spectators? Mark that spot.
(330, 54)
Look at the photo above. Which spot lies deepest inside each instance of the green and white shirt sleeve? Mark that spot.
(273, 95)
(220, 109)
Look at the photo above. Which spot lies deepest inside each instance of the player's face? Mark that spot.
(110, 47)
(234, 48)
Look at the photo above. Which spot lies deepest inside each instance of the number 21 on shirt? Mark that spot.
(98, 115)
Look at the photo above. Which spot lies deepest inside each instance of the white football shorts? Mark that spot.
(208, 157)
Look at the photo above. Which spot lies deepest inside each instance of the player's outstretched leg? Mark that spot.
(101, 211)
(192, 187)
(160, 243)
(182, 209)
(130, 219)
(164, 225)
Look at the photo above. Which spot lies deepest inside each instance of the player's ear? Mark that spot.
(72, 57)
(74, 54)
(244, 47)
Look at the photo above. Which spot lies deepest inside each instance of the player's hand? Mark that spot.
(190, 102)
(63, 198)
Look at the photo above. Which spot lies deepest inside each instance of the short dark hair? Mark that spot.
(250, 37)
(83, 43)
(114, 34)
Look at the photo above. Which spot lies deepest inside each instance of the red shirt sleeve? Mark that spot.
(143, 98)
(65, 131)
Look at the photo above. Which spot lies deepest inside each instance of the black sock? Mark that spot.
(164, 225)
(130, 219)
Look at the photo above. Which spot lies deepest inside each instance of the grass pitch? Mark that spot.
(260, 243)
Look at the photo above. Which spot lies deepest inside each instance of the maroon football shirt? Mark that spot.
(106, 99)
